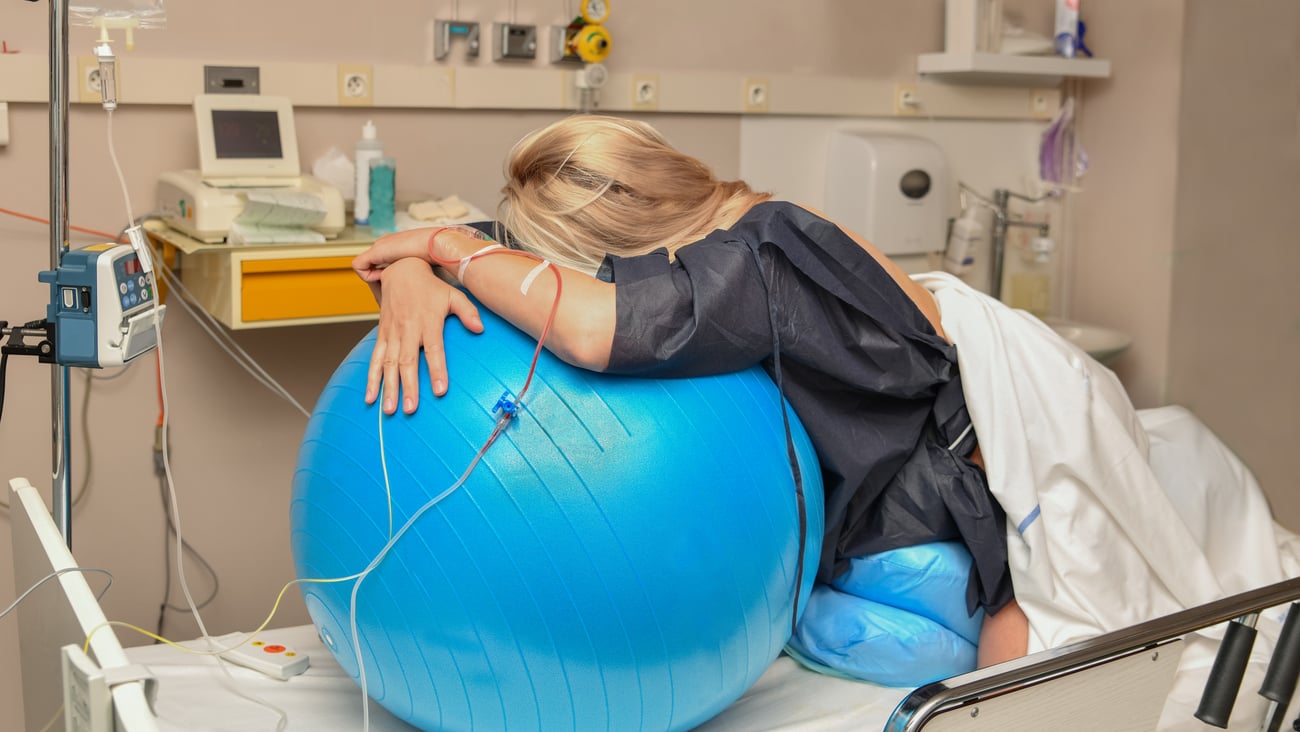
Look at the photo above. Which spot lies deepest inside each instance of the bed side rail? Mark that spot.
(1116, 650)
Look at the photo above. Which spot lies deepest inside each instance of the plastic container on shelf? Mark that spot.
(967, 232)
(368, 148)
(383, 209)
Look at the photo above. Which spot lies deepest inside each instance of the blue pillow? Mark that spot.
(872, 642)
(897, 618)
(927, 579)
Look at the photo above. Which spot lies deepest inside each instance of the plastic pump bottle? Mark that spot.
(965, 237)
(368, 148)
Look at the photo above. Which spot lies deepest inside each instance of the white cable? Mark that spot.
(227, 344)
(501, 423)
(215, 334)
(167, 468)
(232, 686)
(57, 573)
(383, 459)
(213, 328)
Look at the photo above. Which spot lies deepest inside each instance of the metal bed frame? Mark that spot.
(930, 707)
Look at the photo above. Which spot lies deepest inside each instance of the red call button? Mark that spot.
(275, 649)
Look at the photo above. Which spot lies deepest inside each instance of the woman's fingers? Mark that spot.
(414, 308)
(465, 310)
(382, 378)
(436, 357)
(375, 374)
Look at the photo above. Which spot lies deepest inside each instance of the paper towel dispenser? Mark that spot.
(890, 188)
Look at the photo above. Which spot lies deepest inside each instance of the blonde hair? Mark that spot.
(589, 185)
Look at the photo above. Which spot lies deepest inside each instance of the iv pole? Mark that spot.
(61, 503)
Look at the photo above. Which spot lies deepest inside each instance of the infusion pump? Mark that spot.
(103, 306)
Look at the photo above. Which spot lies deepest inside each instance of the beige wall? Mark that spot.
(1185, 233)
(1234, 335)
(1122, 222)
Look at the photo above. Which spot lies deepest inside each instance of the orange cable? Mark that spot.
(39, 220)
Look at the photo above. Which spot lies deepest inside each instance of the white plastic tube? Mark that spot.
(1067, 27)
(368, 148)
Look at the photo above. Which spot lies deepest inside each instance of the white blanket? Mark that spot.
(1109, 546)
(1113, 517)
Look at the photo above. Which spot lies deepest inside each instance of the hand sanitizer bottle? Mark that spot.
(962, 241)
(382, 186)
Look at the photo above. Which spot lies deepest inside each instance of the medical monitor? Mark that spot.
(246, 138)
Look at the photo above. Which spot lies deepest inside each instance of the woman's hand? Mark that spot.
(404, 245)
(386, 250)
(413, 307)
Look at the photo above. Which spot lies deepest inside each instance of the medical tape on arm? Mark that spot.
(464, 261)
(532, 275)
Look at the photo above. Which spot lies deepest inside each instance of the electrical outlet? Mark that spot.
(356, 85)
(645, 91)
(756, 95)
(88, 86)
(1041, 103)
(907, 100)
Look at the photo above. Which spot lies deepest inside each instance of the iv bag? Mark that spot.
(117, 13)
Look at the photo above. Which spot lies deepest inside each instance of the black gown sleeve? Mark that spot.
(706, 312)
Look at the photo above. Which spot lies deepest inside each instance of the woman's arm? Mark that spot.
(582, 332)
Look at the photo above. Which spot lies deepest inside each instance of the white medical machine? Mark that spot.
(247, 144)
(103, 304)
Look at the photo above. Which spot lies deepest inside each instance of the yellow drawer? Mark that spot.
(313, 287)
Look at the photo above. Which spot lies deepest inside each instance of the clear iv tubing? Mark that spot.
(167, 469)
(121, 179)
(498, 428)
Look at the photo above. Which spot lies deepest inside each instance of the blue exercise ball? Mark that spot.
(623, 557)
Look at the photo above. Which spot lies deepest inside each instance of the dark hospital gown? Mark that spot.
(876, 388)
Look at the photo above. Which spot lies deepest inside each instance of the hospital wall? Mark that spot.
(1235, 334)
(234, 445)
(1185, 232)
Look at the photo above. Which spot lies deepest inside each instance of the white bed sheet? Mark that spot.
(1205, 480)
(195, 696)
(1212, 500)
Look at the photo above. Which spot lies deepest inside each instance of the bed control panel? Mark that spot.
(274, 659)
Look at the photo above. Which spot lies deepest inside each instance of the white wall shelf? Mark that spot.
(1007, 69)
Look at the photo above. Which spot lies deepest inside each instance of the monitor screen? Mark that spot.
(246, 133)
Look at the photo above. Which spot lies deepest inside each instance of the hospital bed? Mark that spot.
(1137, 678)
